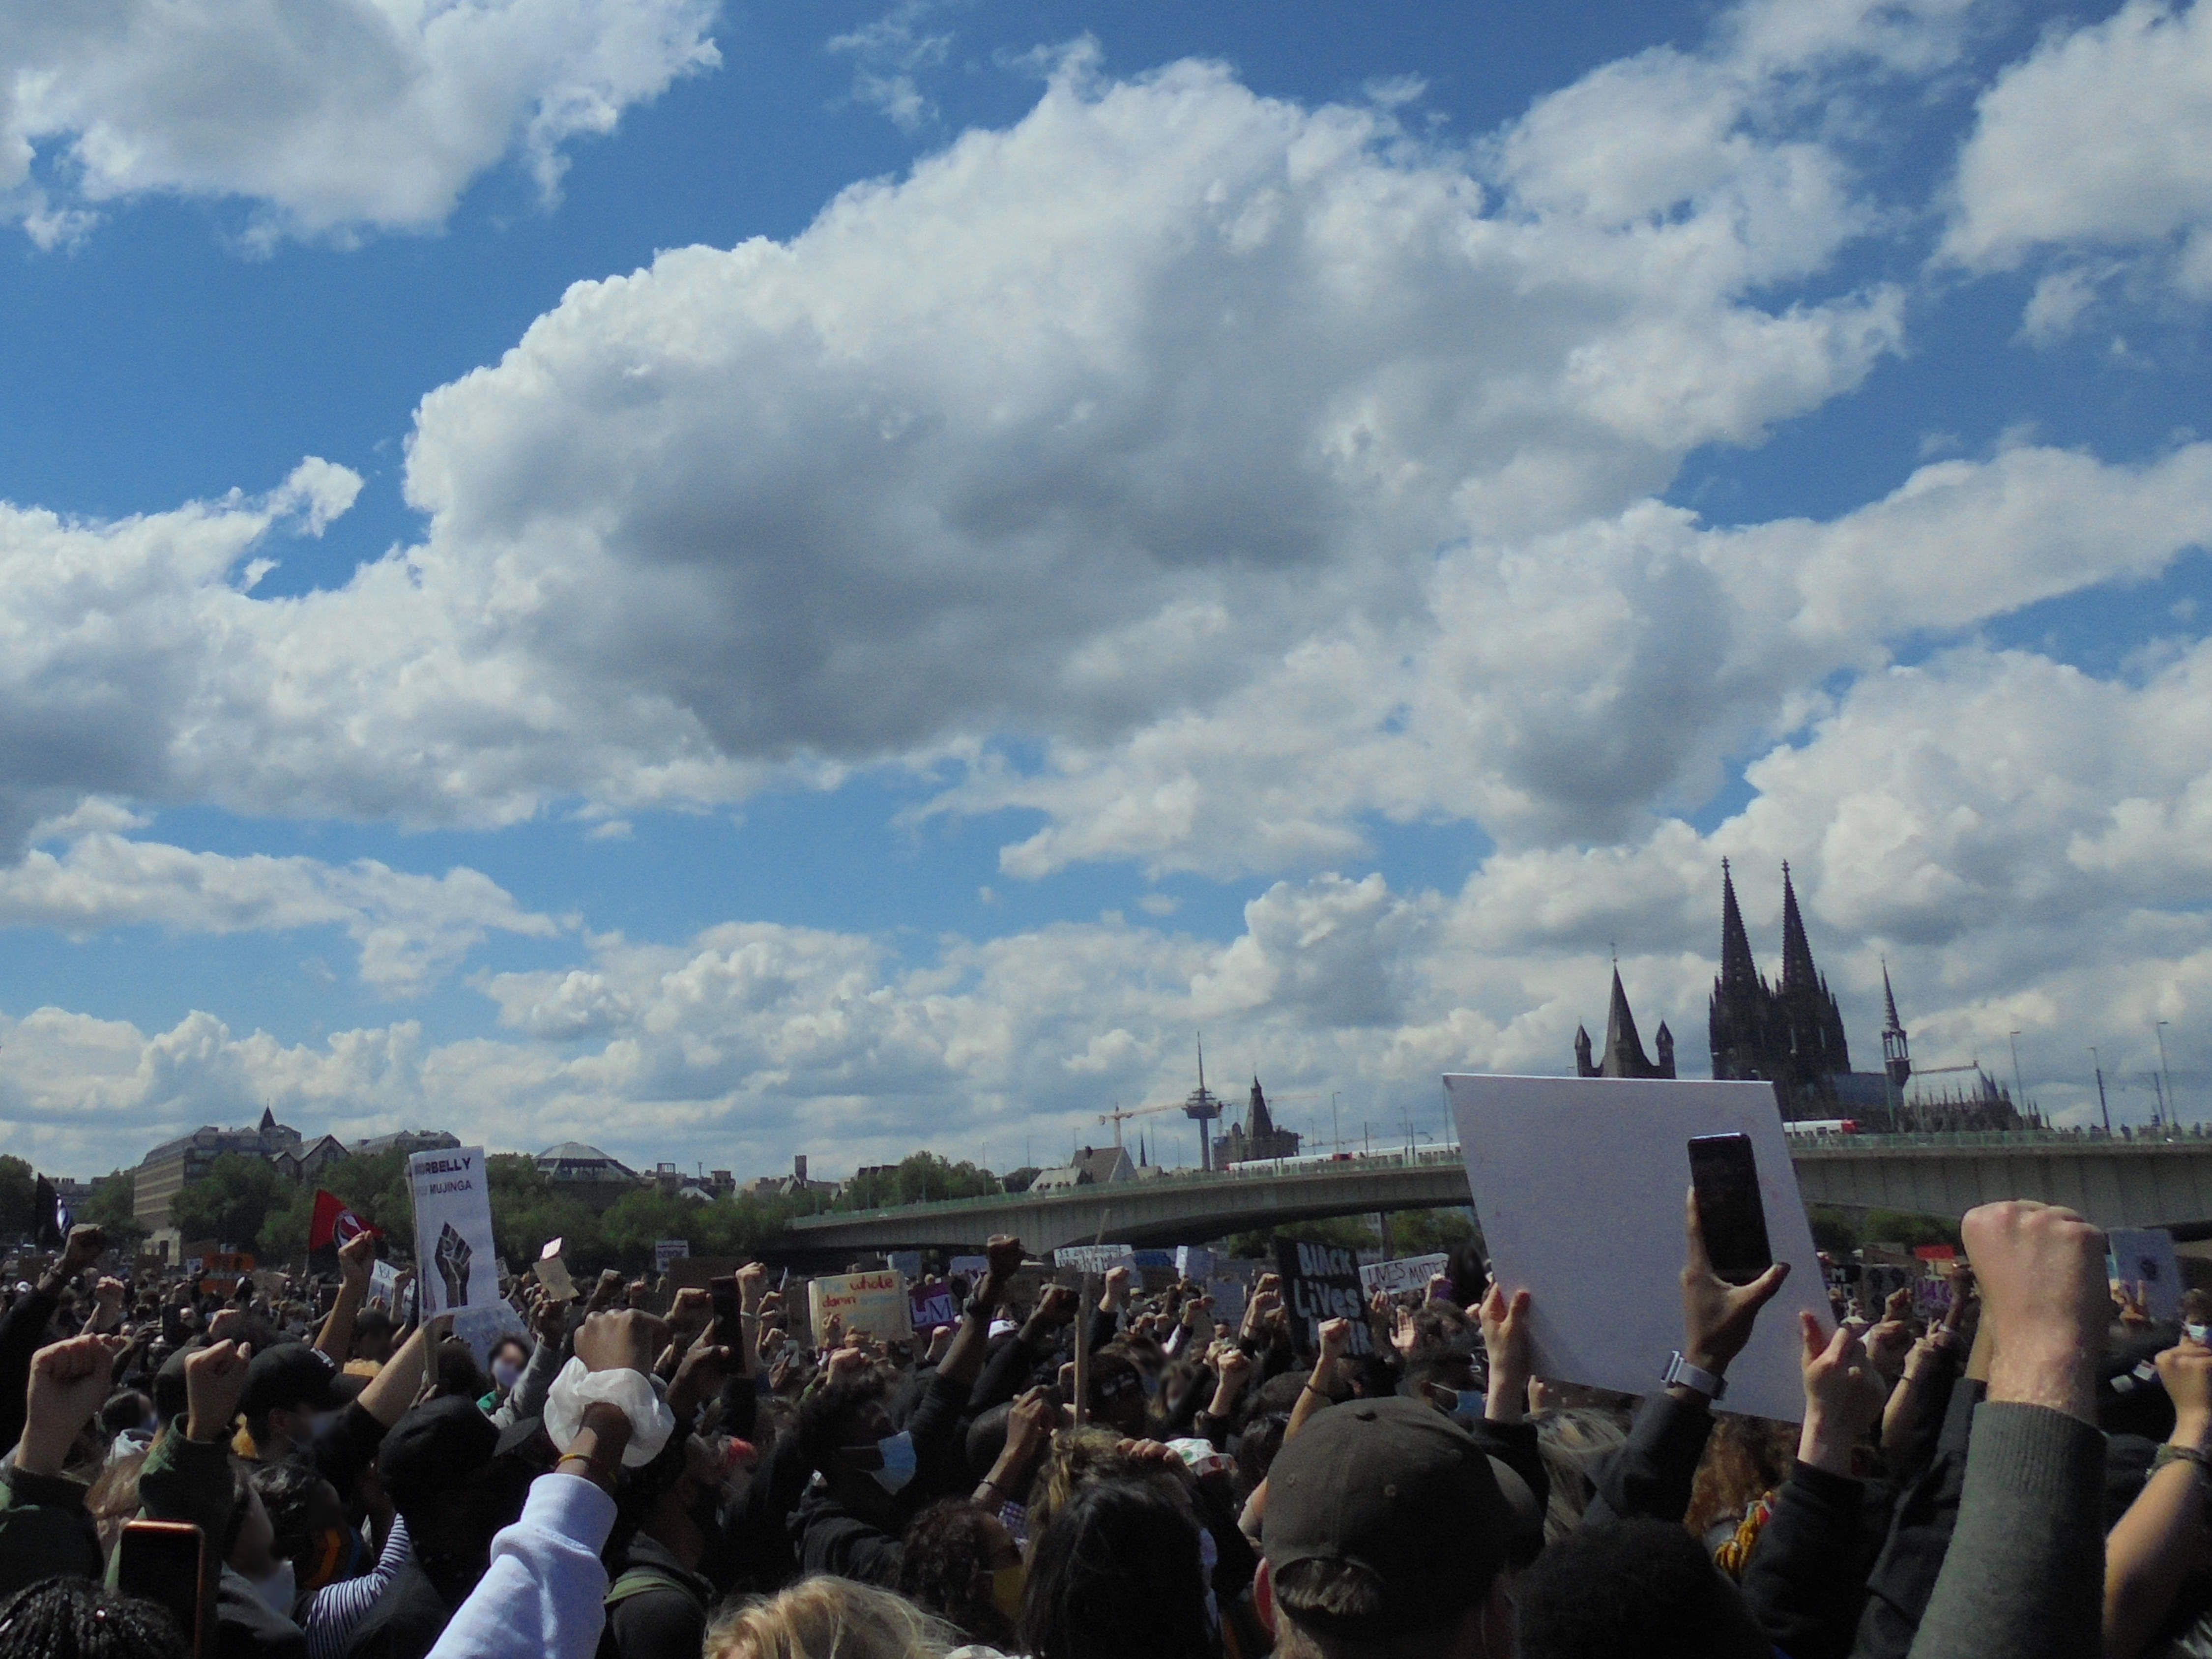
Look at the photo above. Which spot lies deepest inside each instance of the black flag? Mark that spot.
(53, 1220)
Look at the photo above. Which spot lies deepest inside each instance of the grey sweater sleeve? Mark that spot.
(2024, 1575)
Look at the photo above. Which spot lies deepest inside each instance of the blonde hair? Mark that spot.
(827, 1617)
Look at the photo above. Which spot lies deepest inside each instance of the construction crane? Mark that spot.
(1119, 1113)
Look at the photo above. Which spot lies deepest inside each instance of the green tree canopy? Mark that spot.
(231, 1201)
(918, 1178)
(113, 1208)
(19, 1197)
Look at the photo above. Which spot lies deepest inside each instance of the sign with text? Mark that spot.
(384, 1284)
(969, 1267)
(456, 1265)
(1579, 1184)
(875, 1302)
(1095, 1258)
(1411, 1272)
(1322, 1282)
(2142, 1257)
(665, 1250)
(932, 1306)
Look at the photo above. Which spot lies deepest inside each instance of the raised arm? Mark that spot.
(355, 1257)
(2161, 1538)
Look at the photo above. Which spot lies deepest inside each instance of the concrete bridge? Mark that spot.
(2114, 1182)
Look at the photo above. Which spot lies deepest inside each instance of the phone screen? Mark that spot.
(1725, 1177)
(729, 1325)
(160, 1561)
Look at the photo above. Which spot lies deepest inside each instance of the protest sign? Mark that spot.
(1229, 1298)
(553, 1273)
(905, 1263)
(1322, 1282)
(1411, 1272)
(970, 1268)
(932, 1306)
(1194, 1262)
(1579, 1184)
(483, 1326)
(454, 1251)
(384, 1283)
(665, 1250)
(2143, 1256)
(875, 1302)
(1095, 1258)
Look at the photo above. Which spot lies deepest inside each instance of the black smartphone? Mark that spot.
(1725, 1177)
(729, 1323)
(160, 1561)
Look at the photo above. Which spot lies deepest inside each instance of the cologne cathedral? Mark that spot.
(1790, 1033)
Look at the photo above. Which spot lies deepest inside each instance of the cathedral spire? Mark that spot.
(1738, 970)
(1896, 1049)
(1259, 1122)
(1798, 969)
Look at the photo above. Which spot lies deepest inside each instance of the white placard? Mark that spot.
(1194, 1262)
(1579, 1184)
(1095, 1258)
(2144, 1257)
(480, 1328)
(905, 1263)
(1411, 1272)
(455, 1264)
(384, 1285)
(970, 1268)
(665, 1250)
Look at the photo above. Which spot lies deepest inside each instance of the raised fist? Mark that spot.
(451, 1256)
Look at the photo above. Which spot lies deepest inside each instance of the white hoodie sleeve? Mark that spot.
(542, 1596)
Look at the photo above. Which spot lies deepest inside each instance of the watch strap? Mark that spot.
(1694, 1378)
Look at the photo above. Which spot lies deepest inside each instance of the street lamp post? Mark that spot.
(2019, 1089)
(2167, 1091)
(2097, 1062)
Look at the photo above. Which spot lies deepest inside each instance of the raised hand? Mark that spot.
(355, 1257)
(752, 1286)
(627, 1340)
(693, 1308)
(1717, 1316)
(1844, 1395)
(1116, 1292)
(698, 1375)
(452, 1255)
(215, 1378)
(2041, 1269)
(69, 1381)
(1335, 1338)
(1505, 1339)
(85, 1244)
(2186, 1371)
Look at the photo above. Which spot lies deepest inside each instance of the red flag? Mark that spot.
(334, 1224)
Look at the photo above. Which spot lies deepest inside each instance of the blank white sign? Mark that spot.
(1580, 1184)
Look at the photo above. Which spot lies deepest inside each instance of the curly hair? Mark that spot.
(945, 1558)
(69, 1618)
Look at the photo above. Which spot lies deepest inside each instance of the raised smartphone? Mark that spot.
(160, 1561)
(1725, 1177)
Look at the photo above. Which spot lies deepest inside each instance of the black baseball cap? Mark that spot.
(1396, 1487)
(293, 1376)
(434, 1450)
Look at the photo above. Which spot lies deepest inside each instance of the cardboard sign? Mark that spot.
(1194, 1262)
(932, 1306)
(456, 1265)
(1322, 1282)
(1580, 1182)
(553, 1273)
(875, 1302)
(2144, 1257)
(1411, 1272)
(481, 1326)
(1095, 1258)
(665, 1250)
(384, 1283)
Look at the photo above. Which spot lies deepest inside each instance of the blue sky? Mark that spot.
(1046, 529)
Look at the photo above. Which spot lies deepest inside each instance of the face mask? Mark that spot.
(1006, 1590)
(2200, 1334)
(898, 1462)
(506, 1373)
(276, 1591)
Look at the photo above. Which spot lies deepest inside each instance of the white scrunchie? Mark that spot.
(650, 1422)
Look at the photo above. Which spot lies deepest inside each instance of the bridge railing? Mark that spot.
(2194, 1134)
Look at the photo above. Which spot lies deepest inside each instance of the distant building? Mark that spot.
(308, 1161)
(574, 1170)
(1256, 1137)
(1091, 1167)
(794, 1185)
(1624, 1049)
(406, 1142)
(175, 1164)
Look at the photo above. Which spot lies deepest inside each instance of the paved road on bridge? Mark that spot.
(2113, 1182)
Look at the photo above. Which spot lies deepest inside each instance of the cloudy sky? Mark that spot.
(730, 580)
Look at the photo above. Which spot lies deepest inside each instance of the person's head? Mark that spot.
(65, 1617)
(1446, 1379)
(1638, 1586)
(439, 1469)
(864, 1457)
(960, 1563)
(1745, 1458)
(1117, 1394)
(291, 1392)
(1387, 1535)
(825, 1618)
(127, 1408)
(374, 1335)
(308, 1524)
(1119, 1571)
(508, 1355)
(458, 1373)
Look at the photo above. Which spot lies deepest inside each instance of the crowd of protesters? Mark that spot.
(1107, 1476)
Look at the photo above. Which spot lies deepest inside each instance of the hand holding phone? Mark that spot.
(1724, 1175)
(164, 1562)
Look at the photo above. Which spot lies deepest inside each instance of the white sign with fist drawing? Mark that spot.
(455, 1265)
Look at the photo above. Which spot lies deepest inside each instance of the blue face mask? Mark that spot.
(2200, 1334)
(897, 1454)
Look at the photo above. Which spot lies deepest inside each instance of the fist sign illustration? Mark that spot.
(451, 1256)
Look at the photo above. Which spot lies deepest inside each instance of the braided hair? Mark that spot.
(69, 1618)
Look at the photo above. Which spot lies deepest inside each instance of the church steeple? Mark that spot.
(1624, 1054)
(1258, 1122)
(1738, 968)
(1896, 1048)
(1798, 969)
